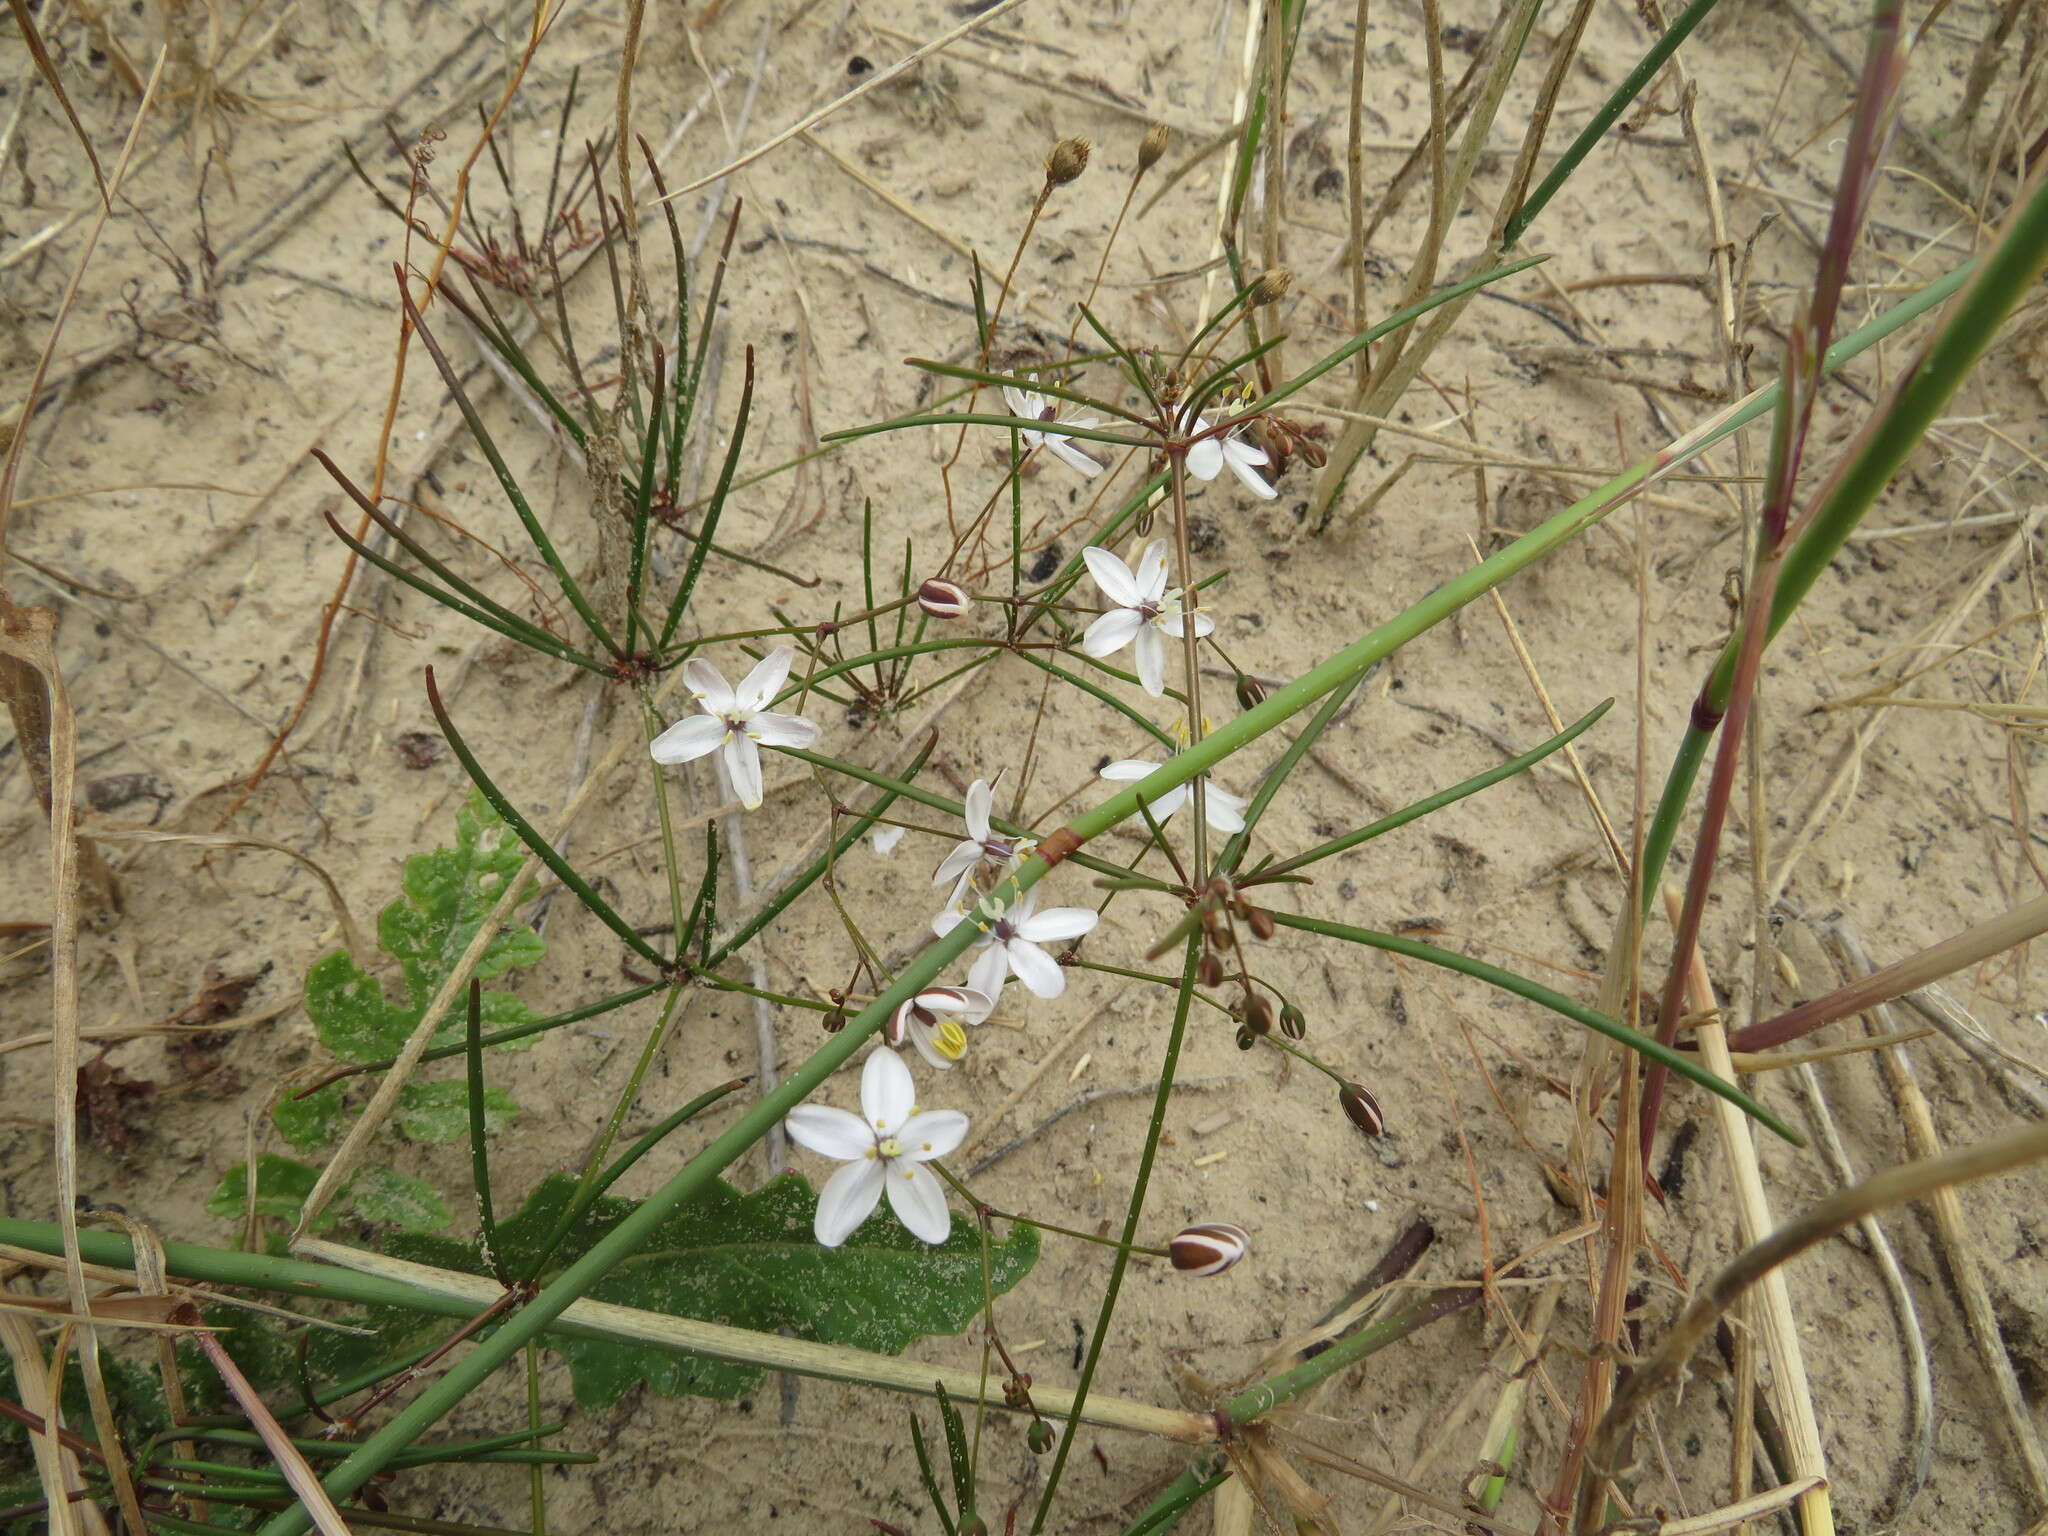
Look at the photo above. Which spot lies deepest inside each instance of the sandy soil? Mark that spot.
(239, 312)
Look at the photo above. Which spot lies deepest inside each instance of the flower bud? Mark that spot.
(1069, 158)
(1209, 969)
(1258, 1014)
(1362, 1109)
(1152, 147)
(1208, 1249)
(1260, 921)
(1039, 1437)
(1293, 1022)
(834, 1021)
(1247, 1037)
(944, 599)
(1271, 287)
(1250, 693)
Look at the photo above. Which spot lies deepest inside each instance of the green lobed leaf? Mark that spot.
(379, 1194)
(749, 1261)
(282, 1184)
(448, 892)
(439, 1112)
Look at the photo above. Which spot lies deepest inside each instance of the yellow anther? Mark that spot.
(950, 1040)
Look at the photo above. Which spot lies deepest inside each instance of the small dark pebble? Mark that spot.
(419, 749)
(1048, 561)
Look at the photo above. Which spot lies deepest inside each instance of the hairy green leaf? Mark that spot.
(750, 1261)
(448, 893)
(282, 1184)
(439, 1112)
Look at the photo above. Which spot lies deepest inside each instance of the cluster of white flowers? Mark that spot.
(886, 1146)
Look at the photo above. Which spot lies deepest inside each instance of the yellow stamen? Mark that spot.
(950, 1040)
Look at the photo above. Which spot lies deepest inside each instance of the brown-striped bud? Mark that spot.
(1209, 969)
(1208, 1249)
(1271, 287)
(834, 1021)
(1069, 158)
(1362, 1109)
(1250, 693)
(1258, 1014)
(1293, 1022)
(1247, 1037)
(1152, 147)
(944, 599)
(1260, 921)
(1039, 1437)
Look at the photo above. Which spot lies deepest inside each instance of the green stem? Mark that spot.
(1258, 1401)
(1133, 1213)
(1430, 954)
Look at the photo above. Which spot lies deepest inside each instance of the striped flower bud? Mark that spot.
(1362, 1109)
(1258, 1014)
(1208, 1249)
(1039, 1437)
(1247, 1037)
(1293, 1022)
(943, 599)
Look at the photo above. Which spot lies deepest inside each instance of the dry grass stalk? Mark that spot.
(1965, 1267)
(1791, 1392)
(303, 1481)
(1895, 1186)
(799, 1356)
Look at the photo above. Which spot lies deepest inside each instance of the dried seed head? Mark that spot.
(1208, 1249)
(1039, 1437)
(1362, 1109)
(1258, 1014)
(1271, 287)
(1152, 146)
(1069, 158)
(1293, 1022)
(943, 599)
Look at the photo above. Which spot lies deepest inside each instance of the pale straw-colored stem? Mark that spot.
(744, 1346)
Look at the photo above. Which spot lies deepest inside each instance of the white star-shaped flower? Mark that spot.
(1033, 406)
(885, 1146)
(1212, 453)
(734, 720)
(936, 1020)
(982, 848)
(1220, 808)
(1010, 939)
(1145, 615)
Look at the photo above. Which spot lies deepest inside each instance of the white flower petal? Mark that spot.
(1223, 810)
(1151, 573)
(773, 730)
(1126, 770)
(1113, 577)
(980, 801)
(1150, 651)
(990, 970)
(963, 857)
(704, 682)
(932, 1134)
(742, 761)
(885, 839)
(848, 1199)
(1020, 403)
(1205, 625)
(831, 1132)
(1071, 456)
(887, 1095)
(757, 691)
(1112, 632)
(1205, 459)
(1239, 457)
(919, 1201)
(1058, 923)
(920, 1036)
(1163, 808)
(688, 738)
(1035, 968)
(974, 1005)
